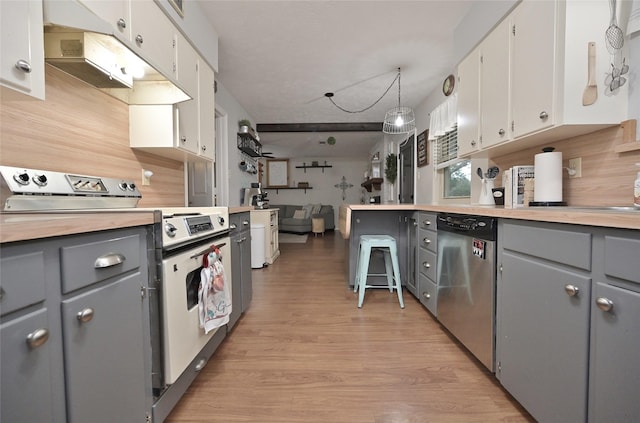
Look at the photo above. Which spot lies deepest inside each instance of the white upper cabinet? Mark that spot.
(116, 12)
(22, 49)
(153, 35)
(469, 103)
(532, 75)
(207, 111)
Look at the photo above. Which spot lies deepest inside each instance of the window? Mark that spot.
(456, 173)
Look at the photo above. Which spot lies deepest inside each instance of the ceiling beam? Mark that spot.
(320, 127)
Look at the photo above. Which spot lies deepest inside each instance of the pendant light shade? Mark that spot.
(399, 120)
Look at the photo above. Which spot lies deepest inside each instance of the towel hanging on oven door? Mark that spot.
(214, 301)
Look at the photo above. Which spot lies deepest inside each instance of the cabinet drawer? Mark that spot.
(428, 240)
(85, 264)
(621, 258)
(565, 247)
(427, 221)
(428, 294)
(22, 278)
(427, 263)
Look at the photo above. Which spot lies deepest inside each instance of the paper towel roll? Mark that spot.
(548, 180)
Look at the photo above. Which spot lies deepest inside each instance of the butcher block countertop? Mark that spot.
(26, 226)
(574, 215)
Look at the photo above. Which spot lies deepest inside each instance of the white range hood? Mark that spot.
(83, 45)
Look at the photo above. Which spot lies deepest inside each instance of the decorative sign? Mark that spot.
(479, 248)
(423, 150)
(343, 185)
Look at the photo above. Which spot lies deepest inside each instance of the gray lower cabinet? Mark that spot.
(412, 279)
(614, 378)
(426, 261)
(73, 339)
(568, 320)
(242, 286)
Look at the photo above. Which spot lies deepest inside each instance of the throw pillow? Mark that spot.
(316, 209)
(307, 210)
(298, 214)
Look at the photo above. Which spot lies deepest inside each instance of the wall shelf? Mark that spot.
(313, 166)
(371, 184)
(249, 145)
(278, 188)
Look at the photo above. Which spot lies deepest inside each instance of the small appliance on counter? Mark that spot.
(255, 196)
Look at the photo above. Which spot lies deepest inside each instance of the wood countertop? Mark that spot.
(572, 215)
(28, 226)
(240, 209)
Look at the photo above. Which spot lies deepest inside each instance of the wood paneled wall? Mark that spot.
(607, 176)
(79, 129)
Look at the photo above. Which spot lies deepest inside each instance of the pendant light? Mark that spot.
(399, 120)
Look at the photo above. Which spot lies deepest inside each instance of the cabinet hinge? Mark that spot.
(513, 126)
(500, 269)
(147, 418)
(481, 59)
(480, 139)
(498, 367)
(143, 292)
(513, 29)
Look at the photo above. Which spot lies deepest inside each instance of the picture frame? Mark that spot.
(277, 173)
(178, 6)
(422, 148)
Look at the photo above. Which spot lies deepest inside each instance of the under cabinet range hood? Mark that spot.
(83, 45)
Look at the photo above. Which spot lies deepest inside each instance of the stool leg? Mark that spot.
(388, 267)
(356, 277)
(364, 270)
(396, 273)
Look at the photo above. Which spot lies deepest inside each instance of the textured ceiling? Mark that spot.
(278, 58)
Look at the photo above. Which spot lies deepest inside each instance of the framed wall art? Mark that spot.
(422, 148)
(277, 173)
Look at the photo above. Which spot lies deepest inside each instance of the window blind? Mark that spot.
(446, 147)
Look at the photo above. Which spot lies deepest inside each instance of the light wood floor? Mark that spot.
(304, 352)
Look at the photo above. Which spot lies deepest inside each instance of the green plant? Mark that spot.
(244, 122)
(391, 168)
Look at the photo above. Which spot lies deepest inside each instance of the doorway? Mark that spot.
(407, 171)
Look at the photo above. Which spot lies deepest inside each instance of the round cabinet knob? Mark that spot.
(183, 139)
(85, 315)
(426, 295)
(427, 241)
(426, 265)
(139, 39)
(23, 65)
(473, 143)
(170, 230)
(571, 290)
(22, 178)
(604, 304)
(501, 132)
(37, 338)
(122, 24)
(543, 115)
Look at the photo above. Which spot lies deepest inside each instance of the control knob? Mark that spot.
(170, 230)
(221, 220)
(123, 186)
(132, 186)
(40, 180)
(22, 178)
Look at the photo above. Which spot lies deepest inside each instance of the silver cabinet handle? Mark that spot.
(109, 260)
(427, 241)
(85, 315)
(426, 295)
(501, 132)
(245, 222)
(415, 223)
(23, 65)
(233, 226)
(122, 23)
(37, 337)
(543, 115)
(201, 364)
(604, 304)
(183, 139)
(139, 39)
(426, 265)
(427, 223)
(571, 290)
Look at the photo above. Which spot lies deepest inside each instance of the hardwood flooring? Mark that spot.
(304, 352)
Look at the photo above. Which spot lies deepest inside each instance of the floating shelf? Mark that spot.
(312, 166)
(371, 184)
(249, 145)
(277, 188)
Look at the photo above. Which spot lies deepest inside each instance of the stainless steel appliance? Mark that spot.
(30, 189)
(466, 277)
(255, 196)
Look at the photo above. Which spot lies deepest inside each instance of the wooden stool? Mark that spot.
(317, 226)
(386, 244)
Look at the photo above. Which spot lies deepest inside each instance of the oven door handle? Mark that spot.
(196, 255)
(109, 260)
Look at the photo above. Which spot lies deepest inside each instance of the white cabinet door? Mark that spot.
(187, 76)
(22, 47)
(207, 112)
(116, 12)
(153, 35)
(533, 66)
(494, 87)
(469, 103)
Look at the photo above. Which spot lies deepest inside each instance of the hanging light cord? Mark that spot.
(397, 78)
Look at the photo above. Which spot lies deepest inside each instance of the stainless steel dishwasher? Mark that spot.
(466, 277)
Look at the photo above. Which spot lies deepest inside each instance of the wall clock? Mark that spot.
(448, 84)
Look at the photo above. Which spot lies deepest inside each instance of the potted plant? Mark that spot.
(244, 126)
(391, 168)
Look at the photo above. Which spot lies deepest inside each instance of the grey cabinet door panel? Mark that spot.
(25, 373)
(569, 248)
(428, 294)
(543, 339)
(22, 278)
(615, 357)
(622, 258)
(104, 357)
